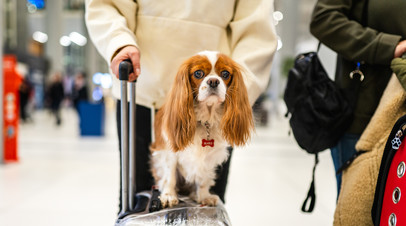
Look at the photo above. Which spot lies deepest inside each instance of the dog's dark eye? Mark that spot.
(225, 74)
(198, 74)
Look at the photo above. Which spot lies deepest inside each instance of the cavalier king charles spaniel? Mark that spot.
(206, 110)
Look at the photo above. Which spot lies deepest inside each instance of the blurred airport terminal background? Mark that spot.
(59, 148)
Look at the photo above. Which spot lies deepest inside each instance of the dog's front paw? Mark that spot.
(169, 200)
(210, 200)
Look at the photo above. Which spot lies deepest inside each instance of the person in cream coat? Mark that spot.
(159, 35)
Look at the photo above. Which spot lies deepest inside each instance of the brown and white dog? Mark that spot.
(206, 110)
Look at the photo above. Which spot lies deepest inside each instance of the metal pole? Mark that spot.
(124, 71)
(1, 83)
(124, 148)
(131, 188)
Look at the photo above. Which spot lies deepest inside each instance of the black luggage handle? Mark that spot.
(124, 70)
(127, 140)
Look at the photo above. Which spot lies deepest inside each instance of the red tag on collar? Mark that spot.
(207, 143)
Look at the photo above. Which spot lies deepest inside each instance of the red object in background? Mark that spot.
(11, 83)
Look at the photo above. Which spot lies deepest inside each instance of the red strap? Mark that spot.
(394, 182)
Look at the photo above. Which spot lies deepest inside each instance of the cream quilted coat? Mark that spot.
(167, 32)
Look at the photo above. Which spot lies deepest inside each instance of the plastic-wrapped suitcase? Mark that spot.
(389, 206)
(144, 208)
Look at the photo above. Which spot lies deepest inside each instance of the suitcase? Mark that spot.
(145, 208)
(389, 207)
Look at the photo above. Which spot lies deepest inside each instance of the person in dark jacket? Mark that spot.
(55, 96)
(368, 33)
(79, 91)
(339, 25)
(25, 91)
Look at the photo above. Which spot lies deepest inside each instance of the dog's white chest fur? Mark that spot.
(195, 162)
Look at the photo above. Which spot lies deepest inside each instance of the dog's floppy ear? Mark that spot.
(237, 121)
(179, 115)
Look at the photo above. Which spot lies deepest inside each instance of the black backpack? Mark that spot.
(320, 112)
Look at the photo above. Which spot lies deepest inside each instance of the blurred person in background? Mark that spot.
(55, 96)
(38, 69)
(371, 33)
(158, 36)
(79, 90)
(25, 91)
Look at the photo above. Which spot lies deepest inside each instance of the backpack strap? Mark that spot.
(311, 194)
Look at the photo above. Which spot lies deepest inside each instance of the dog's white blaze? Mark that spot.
(211, 55)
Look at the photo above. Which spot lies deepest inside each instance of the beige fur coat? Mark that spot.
(359, 180)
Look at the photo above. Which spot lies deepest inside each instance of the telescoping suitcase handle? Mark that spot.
(127, 140)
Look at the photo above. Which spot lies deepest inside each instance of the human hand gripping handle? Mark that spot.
(130, 54)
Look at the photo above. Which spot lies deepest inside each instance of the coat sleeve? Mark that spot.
(253, 43)
(332, 25)
(398, 66)
(111, 25)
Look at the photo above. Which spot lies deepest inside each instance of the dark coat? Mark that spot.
(56, 95)
(337, 24)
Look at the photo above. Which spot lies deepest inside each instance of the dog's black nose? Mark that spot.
(213, 82)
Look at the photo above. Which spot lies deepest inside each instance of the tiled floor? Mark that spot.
(63, 179)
